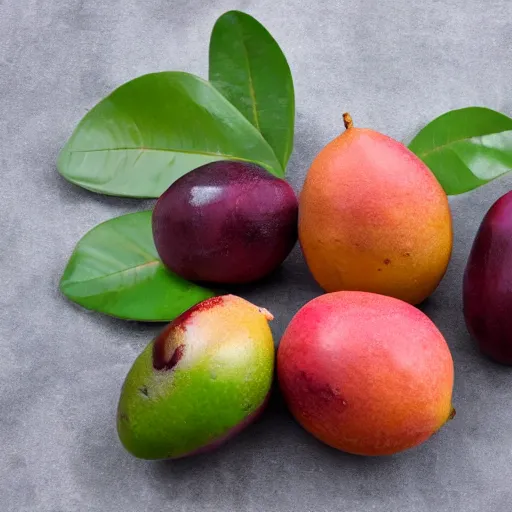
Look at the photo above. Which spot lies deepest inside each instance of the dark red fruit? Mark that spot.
(488, 283)
(225, 222)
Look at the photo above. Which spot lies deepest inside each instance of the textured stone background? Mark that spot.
(395, 64)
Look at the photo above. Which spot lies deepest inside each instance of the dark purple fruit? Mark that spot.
(225, 222)
(488, 283)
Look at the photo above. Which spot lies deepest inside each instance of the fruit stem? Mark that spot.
(266, 313)
(347, 120)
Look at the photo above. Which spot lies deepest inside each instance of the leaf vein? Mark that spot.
(168, 150)
(118, 272)
(455, 141)
(252, 91)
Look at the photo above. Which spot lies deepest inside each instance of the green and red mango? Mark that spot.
(366, 373)
(202, 380)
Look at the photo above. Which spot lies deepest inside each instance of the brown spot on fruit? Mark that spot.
(123, 416)
(160, 346)
(387, 261)
(176, 356)
(166, 352)
(159, 362)
(144, 391)
(379, 270)
(320, 390)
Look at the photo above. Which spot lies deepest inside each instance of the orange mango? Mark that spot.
(373, 217)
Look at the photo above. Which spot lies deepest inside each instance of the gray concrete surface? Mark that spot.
(395, 64)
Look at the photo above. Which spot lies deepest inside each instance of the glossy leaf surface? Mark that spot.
(115, 269)
(466, 148)
(154, 129)
(248, 67)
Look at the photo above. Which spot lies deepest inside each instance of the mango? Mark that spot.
(201, 381)
(487, 288)
(226, 223)
(365, 373)
(373, 217)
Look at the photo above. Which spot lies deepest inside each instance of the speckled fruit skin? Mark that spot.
(372, 217)
(226, 222)
(365, 373)
(201, 381)
(487, 290)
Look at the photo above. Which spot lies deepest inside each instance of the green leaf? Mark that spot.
(115, 269)
(466, 148)
(154, 129)
(250, 70)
